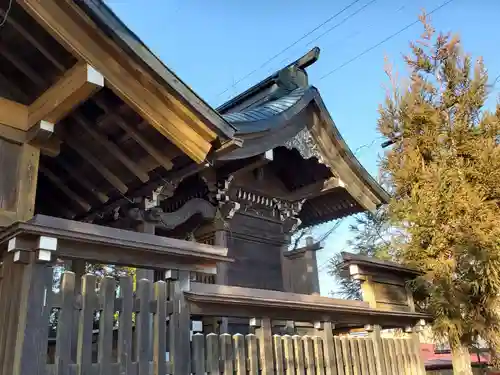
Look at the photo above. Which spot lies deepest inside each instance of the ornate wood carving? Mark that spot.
(171, 220)
(272, 208)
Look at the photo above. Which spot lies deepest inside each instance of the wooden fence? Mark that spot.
(113, 330)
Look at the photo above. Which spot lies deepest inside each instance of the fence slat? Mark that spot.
(356, 366)
(86, 323)
(298, 349)
(107, 303)
(253, 354)
(65, 324)
(363, 360)
(400, 356)
(309, 354)
(339, 358)
(392, 353)
(240, 358)
(226, 353)
(160, 328)
(278, 355)
(264, 336)
(213, 354)
(125, 325)
(328, 349)
(142, 326)
(406, 357)
(319, 358)
(371, 354)
(198, 343)
(288, 353)
(346, 354)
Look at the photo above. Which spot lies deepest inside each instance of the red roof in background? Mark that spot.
(433, 359)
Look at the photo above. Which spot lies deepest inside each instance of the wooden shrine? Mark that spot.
(107, 157)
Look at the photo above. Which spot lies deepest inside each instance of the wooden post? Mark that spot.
(179, 327)
(263, 331)
(25, 328)
(378, 349)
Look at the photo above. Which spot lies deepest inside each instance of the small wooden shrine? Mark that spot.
(107, 157)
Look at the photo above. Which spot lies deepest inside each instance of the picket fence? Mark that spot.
(112, 330)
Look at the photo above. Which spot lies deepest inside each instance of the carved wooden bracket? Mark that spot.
(171, 220)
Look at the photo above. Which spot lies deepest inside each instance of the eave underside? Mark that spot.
(103, 150)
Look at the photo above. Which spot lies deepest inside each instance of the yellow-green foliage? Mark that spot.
(444, 173)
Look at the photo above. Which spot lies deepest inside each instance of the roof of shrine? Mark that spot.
(285, 112)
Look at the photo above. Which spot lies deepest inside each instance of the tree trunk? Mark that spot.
(460, 358)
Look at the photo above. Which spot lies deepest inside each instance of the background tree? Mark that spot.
(444, 171)
(370, 237)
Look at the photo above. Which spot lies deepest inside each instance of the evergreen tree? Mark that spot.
(444, 171)
(370, 237)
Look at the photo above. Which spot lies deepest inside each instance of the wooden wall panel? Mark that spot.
(255, 244)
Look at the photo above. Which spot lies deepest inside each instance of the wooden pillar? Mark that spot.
(25, 309)
(179, 326)
(19, 166)
(220, 239)
(145, 227)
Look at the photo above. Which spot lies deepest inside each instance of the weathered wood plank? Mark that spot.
(65, 324)
(226, 354)
(264, 336)
(363, 360)
(143, 326)
(125, 325)
(32, 329)
(253, 354)
(289, 355)
(198, 350)
(371, 354)
(160, 328)
(308, 354)
(346, 355)
(106, 320)
(356, 362)
(86, 322)
(278, 355)
(326, 333)
(339, 359)
(240, 358)
(213, 354)
(319, 357)
(298, 349)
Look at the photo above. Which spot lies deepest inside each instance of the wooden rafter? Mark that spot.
(112, 148)
(82, 180)
(100, 167)
(65, 189)
(169, 116)
(162, 160)
(150, 149)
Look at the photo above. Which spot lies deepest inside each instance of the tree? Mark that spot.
(444, 171)
(370, 237)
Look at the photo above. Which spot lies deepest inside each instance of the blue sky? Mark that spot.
(211, 45)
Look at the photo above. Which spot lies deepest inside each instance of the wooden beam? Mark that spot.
(13, 114)
(77, 85)
(82, 180)
(112, 148)
(129, 80)
(42, 136)
(101, 168)
(62, 186)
